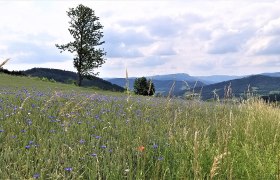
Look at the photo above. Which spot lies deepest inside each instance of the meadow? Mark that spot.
(56, 131)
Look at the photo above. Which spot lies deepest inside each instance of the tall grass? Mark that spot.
(4, 62)
(75, 134)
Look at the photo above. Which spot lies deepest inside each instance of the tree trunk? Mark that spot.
(79, 80)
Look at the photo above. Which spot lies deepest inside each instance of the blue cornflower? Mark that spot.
(97, 137)
(1, 130)
(103, 147)
(36, 176)
(155, 146)
(52, 131)
(97, 117)
(93, 155)
(29, 122)
(27, 147)
(68, 169)
(82, 141)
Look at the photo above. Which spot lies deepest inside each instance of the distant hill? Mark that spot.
(204, 79)
(186, 77)
(70, 77)
(162, 86)
(276, 74)
(216, 78)
(259, 85)
(174, 77)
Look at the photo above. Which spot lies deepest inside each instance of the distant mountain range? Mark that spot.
(277, 74)
(177, 84)
(173, 77)
(216, 78)
(162, 86)
(185, 77)
(262, 84)
(173, 83)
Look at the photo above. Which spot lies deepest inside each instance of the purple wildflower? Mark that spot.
(27, 147)
(155, 146)
(103, 147)
(29, 122)
(52, 131)
(36, 176)
(82, 141)
(93, 155)
(68, 169)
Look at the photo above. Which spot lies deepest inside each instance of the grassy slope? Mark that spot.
(77, 133)
(69, 77)
(37, 83)
(16, 81)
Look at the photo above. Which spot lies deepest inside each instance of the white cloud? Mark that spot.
(265, 46)
(272, 27)
(163, 49)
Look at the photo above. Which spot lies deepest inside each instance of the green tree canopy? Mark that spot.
(86, 31)
(145, 87)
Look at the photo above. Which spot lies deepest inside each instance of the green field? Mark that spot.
(57, 131)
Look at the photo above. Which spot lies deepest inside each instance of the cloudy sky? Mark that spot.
(149, 37)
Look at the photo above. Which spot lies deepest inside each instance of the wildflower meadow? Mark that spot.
(55, 131)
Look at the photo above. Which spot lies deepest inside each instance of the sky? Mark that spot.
(149, 37)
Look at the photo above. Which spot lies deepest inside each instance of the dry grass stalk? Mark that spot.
(228, 92)
(171, 90)
(22, 104)
(56, 94)
(150, 86)
(127, 85)
(216, 96)
(3, 63)
(215, 166)
(127, 80)
(196, 167)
